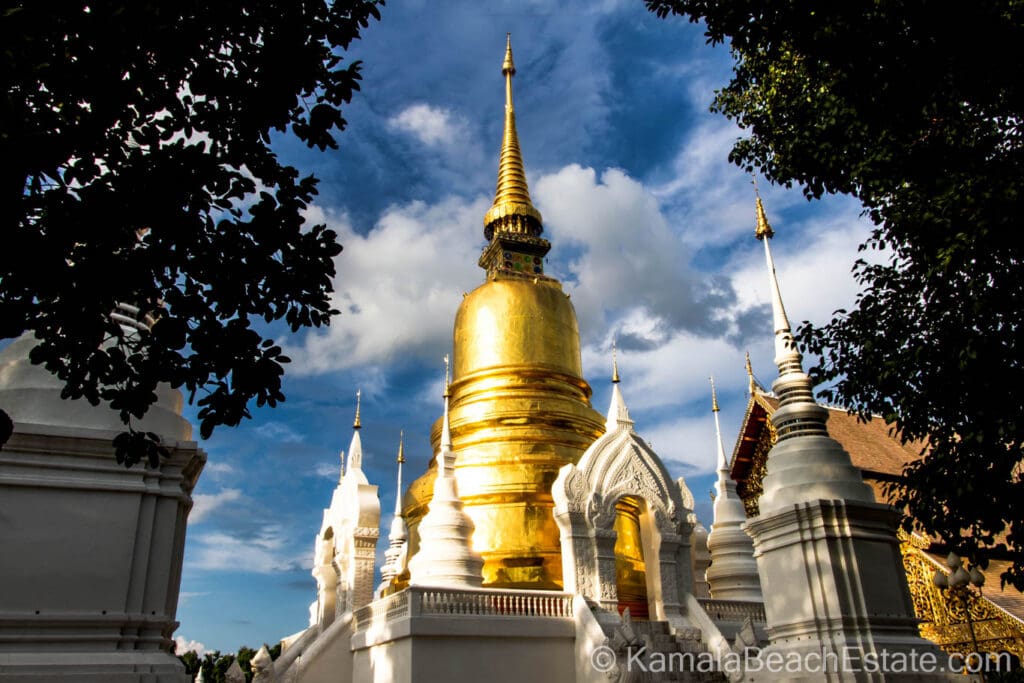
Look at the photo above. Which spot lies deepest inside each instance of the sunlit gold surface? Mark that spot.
(519, 411)
(630, 568)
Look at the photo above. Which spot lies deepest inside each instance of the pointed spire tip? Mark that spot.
(615, 364)
(356, 424)
(763, 229)
(508, 67)
(401, 447)
(714, 396)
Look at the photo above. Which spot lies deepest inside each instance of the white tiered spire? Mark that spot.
(446, 557)
(816, 467)
(395, 556)
(733, 572)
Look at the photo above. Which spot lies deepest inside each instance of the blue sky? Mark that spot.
(652, 233)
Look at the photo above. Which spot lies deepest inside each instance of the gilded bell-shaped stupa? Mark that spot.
(520, 408)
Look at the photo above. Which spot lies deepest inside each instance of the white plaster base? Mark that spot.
(833, 582)
(91, 559)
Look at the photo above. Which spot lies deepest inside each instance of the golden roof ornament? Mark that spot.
(714, 396)
(356, 424)
(401, 451)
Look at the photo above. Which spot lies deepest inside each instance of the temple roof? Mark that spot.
(873, 449)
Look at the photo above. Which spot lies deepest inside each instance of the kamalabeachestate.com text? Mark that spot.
(754, 660)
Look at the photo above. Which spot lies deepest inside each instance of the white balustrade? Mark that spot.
(426, 601)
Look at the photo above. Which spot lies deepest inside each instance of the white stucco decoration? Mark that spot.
(345, 547)
(616, 465)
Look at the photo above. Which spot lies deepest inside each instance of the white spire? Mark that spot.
(786, 355)
(400, 461)
(733, 572)
(814, 466)
(395, 557)
(618, 413)
(446, 557)
(723, 465)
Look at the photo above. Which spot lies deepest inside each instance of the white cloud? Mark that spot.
(433, 126)
(218, 468)
(204, 504)
(328, 470)
(632, 271)
(183, 645)
(264, 552)
(279, 432)
(398, 286)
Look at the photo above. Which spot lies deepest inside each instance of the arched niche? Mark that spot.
(621, 471)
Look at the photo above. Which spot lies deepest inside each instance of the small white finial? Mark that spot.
(615, 364)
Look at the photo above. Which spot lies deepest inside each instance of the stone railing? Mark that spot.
(427, 601)
(733, 610)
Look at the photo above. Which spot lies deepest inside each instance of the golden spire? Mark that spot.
(512, 205)
(401, 449)
(763, 228)
(615, 365)
(714, 396)
(356, 424)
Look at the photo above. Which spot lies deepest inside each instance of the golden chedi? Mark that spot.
(520, 409)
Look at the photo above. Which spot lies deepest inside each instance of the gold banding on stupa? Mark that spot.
(519, 407)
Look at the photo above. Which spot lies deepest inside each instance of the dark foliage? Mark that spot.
(137, 168)
(917, 111)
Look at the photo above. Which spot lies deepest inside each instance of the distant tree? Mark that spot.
(917, 111)
(191, 661)
(137, 168)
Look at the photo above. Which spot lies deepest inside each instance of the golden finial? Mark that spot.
(714, 396)
(751, 382)
(356, 424)
(512, 205)
(615, 365)
(763, 228)
(508, 68)
(446, 376)
(401, 447)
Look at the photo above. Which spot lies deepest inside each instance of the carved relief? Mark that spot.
(751, 489)
(943, 617)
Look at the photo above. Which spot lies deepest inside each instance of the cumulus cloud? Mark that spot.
(432, 126)
(205, 504)
(398, 286)
(183, 645)
(632, 270)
